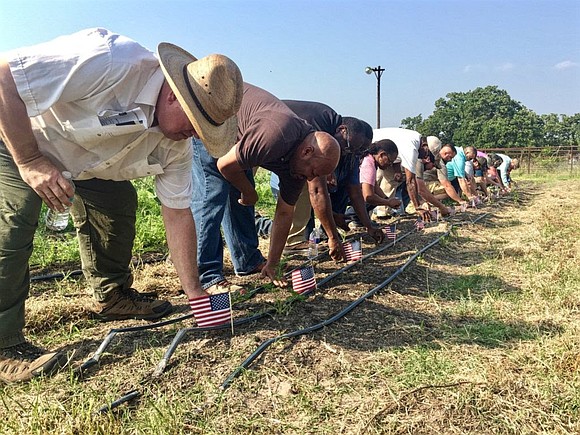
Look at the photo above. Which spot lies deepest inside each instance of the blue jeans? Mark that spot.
(402, 195)
(215, 204)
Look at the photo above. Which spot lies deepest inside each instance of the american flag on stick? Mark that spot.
(353, 250)
(303, 280)
(391, 231)
(212, 310)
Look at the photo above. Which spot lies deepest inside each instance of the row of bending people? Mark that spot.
(447, 173)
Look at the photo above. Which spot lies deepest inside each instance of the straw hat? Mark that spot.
(210, 92)
(434, 145)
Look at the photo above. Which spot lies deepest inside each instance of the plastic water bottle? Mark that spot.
(57, 220)
(313, 241)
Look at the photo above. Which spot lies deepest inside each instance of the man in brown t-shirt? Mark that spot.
(270, 135)
(273, 137)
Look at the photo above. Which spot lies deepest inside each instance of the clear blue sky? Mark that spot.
(318, 49)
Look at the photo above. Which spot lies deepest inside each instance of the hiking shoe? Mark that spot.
(130, 304)
(24, 361)
(225, 287)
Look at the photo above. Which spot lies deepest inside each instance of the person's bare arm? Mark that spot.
(413, 192)
(232, 171)
(373, 195)
(430, 198)
(280, 229)
(358, 204)
(182, 242)
(464, 184)
(450, 190)
(16, 130)
(322, 205)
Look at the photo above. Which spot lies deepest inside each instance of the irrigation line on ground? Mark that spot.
(246, 363)
(162, 365)
(94, 359)
(183, 332)
(77, 272)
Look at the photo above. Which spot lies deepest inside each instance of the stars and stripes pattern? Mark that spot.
(391, 231)
(463, 207)
(419, 224)
(211, 310)
(303, 280)
(352, 250)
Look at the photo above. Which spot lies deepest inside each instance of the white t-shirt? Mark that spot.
(407, 141)
(91, 99)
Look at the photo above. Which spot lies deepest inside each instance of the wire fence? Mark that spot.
(544, 160)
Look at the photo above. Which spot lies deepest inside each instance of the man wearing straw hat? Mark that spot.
(107, 110)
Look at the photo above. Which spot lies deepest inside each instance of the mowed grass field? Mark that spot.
(480, 335)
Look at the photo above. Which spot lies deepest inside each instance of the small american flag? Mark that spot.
(464, 207)
(419, 224)
(303, 280)
(391, 231)
(434, 215)
(353, 250)
(211, 310)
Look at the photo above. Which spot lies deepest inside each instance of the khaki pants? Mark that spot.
(104, 216)
(302, 214)
(386, 181)
(435, 188)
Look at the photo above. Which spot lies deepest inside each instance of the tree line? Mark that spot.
(489, 118)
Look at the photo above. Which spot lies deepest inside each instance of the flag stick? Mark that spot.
(231, 314)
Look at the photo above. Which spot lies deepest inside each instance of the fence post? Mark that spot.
(529, 159)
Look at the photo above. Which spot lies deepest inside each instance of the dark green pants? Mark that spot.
(104, 216)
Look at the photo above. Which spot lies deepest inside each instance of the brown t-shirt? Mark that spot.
(268, 135)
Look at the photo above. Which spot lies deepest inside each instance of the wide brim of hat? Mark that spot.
(217, 139)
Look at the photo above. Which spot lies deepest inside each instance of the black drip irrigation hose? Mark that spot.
(77, 272)
(246, 363)
(94, 359)
(183, 332)
(162, 365)
(126, 398)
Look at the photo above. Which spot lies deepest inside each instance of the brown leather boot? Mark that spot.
(24, 361)
(130, 304)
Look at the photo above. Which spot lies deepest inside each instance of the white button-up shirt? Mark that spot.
(408, 143)
(91, 99)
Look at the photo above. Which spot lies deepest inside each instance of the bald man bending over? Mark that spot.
(271, 136)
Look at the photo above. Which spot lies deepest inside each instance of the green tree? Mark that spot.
(485, 118)
(412, 122)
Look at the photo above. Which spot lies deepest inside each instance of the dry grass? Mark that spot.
(480, 335)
